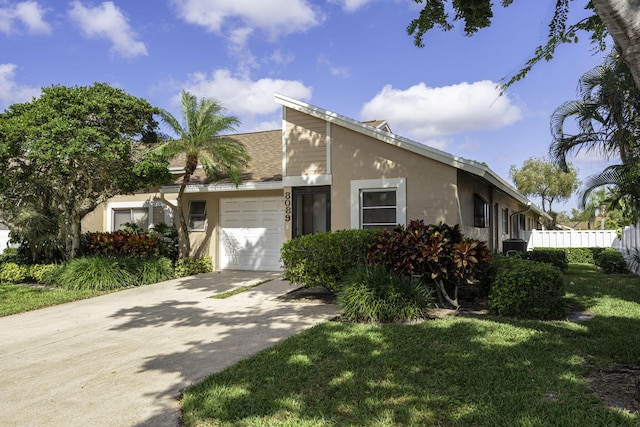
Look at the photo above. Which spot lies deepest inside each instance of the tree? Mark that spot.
(615, 17)
(607, 115)
(66, 152)
(199, 141)
(542, 178)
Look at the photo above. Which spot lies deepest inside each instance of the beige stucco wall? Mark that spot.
(306, 152)
(431, 185)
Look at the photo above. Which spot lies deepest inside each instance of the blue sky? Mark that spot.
(352, 57)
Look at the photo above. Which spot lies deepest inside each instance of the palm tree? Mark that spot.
(199, 141)
(608, 120)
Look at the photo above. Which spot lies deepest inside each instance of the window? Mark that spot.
(197, 215)
(480, 212)
(505, 220)
(137, 216)
(378, 203)
(378, 208)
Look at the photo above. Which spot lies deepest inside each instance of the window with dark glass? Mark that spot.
(197, 215)
(378, 208)
(480, 212)
(505, 220)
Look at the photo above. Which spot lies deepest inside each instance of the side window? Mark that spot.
(480, 212)
(197, 215)
(505, 220)
(378, 208)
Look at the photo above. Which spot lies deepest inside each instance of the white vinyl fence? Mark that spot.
(572, 239)
(628, 245)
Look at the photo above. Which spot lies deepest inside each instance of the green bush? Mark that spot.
(527, 289)
(10, 272)
(154, 270)
(580, 255)
(323, 259)
(101, 273)
(190, 266)
(373, 294)
(555, 257)
(43, 273)
(611, 261)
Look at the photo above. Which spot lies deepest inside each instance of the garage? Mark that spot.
(251, 233)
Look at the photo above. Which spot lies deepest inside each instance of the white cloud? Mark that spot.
(29, 13)
(425, 112)
(107, 21)
(352, 5)
(276, 17)
(242, 96)
(12, 92)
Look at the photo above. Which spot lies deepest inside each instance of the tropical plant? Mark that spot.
(199, 141)
(437, 254)
(608, 119)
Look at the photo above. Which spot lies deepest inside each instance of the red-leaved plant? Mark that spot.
(437, 254)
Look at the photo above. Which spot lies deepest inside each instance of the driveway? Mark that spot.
(124, 359)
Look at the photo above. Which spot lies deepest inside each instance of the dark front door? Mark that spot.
(311, 210)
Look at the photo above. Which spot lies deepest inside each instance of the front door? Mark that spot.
(311, 210)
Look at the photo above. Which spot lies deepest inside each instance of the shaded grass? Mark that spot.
(462, 371)
(18, 298)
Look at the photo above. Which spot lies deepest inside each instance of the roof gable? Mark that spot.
(460, 163)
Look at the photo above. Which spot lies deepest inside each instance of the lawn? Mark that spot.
(459, 371)
(18, 298)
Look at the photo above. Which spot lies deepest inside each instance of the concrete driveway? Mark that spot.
(124, 359)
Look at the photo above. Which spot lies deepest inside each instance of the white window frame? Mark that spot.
(357, 186)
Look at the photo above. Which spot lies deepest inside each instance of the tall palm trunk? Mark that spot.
(185, 241)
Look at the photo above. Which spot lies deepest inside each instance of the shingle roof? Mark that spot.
(265, 150)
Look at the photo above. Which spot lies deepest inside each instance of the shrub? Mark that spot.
(190, 266)
(611, 261)
(373, 294)
(438, 254)
(527, 289)
(15, 255)
(323, 259)
(168, 240)
(10, 272)
(555, 257)
(580, 255)
(154, 270)
(43, 273)
(96, 272)
(121, 242)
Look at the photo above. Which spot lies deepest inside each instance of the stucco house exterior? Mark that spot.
(323, 171)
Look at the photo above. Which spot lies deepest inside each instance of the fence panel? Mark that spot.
(571, 239)
(4, 239)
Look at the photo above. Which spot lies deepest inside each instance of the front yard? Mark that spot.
(465, 371)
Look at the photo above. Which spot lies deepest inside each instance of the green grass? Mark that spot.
(461, 371)
(18, 298)
(236, 291)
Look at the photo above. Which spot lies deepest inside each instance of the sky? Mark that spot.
(351, 57)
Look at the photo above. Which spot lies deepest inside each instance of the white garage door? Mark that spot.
(251, 233)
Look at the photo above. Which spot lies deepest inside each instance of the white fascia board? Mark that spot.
(409, 145)
(215, 188)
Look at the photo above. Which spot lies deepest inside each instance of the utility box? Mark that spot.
(517, 245)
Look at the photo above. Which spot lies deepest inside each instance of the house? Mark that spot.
(323, 171)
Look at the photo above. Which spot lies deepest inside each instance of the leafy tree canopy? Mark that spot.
(71, 149)
(542, 178)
